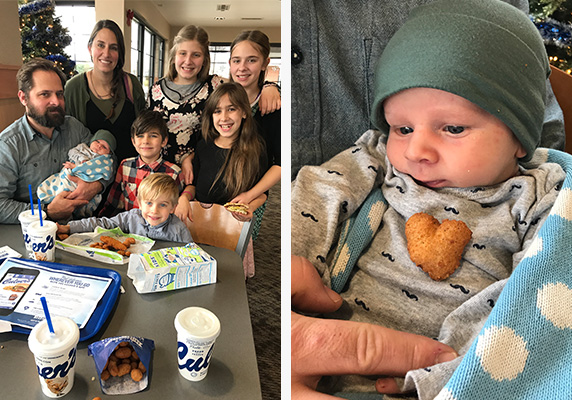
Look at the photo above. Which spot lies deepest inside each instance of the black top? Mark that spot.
(120, 127)
(269, 128)
(209, 159)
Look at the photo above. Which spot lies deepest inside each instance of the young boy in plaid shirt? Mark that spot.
(149, 135)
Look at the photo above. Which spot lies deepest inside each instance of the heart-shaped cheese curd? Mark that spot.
(436, 248)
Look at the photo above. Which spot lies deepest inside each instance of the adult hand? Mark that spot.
(187, 170)
(332, 347)
(69, 165)
(84, 190)
(62, 207)
(269, 100)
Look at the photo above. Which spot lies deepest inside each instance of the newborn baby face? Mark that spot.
(100, 147)
(443, 140)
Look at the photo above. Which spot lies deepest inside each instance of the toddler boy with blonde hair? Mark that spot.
(157, 196)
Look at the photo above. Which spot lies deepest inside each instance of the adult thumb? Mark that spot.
(309, 294)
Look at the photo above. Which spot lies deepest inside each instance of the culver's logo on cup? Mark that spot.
(194, 364)
(42, 237)
(55, 354)
(43, 247)
(60, 370)
(197, 330)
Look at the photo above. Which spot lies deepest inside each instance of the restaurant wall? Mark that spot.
(10, 62)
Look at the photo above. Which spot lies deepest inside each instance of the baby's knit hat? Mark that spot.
(103, 134)
(485, 51)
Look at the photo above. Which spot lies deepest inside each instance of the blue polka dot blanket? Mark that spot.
(524, 350)
(98, 168)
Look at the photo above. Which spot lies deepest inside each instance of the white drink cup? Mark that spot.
(26, 218)
(197, 330)
(55, 355)
(43, 240)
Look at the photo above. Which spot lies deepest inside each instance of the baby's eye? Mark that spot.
(405, 130)
(455, 129)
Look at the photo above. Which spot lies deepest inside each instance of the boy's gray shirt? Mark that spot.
(172, 230)
(386, 287)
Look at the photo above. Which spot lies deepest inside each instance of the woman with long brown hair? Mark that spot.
(106, 97)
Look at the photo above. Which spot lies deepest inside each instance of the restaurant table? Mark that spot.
(233, 371)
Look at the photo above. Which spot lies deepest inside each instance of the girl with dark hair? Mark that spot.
(106, 97)
(231, 158)
(182, 94)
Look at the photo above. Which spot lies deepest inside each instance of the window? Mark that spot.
(147, 54)
(220, 54)
(79, 19)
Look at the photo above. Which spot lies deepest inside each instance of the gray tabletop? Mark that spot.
(233, 372)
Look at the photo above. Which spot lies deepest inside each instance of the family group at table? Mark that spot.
(86, 145)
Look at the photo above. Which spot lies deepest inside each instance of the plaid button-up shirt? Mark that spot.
(130, 173)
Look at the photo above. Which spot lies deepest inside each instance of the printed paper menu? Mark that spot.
(68, 294)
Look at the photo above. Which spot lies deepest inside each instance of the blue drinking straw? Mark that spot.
(31, 199)
(47, 313)
(39, 211)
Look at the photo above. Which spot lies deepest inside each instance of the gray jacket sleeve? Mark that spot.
(324, 196)
(121, 221)
(180, 231)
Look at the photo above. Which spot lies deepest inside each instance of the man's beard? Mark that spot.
(49, 119)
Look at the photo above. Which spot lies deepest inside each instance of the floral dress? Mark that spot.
(183, 119)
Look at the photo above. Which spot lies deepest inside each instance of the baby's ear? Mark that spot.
(520, 151)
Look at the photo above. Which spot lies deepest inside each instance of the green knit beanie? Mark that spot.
(103, 134)
(485, 51)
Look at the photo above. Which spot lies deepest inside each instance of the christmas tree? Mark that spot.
(43, 34)
(553, 18)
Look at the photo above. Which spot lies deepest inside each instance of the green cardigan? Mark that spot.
(77, 95)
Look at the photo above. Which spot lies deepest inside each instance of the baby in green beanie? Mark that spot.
(89, 163)
(459, 106)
